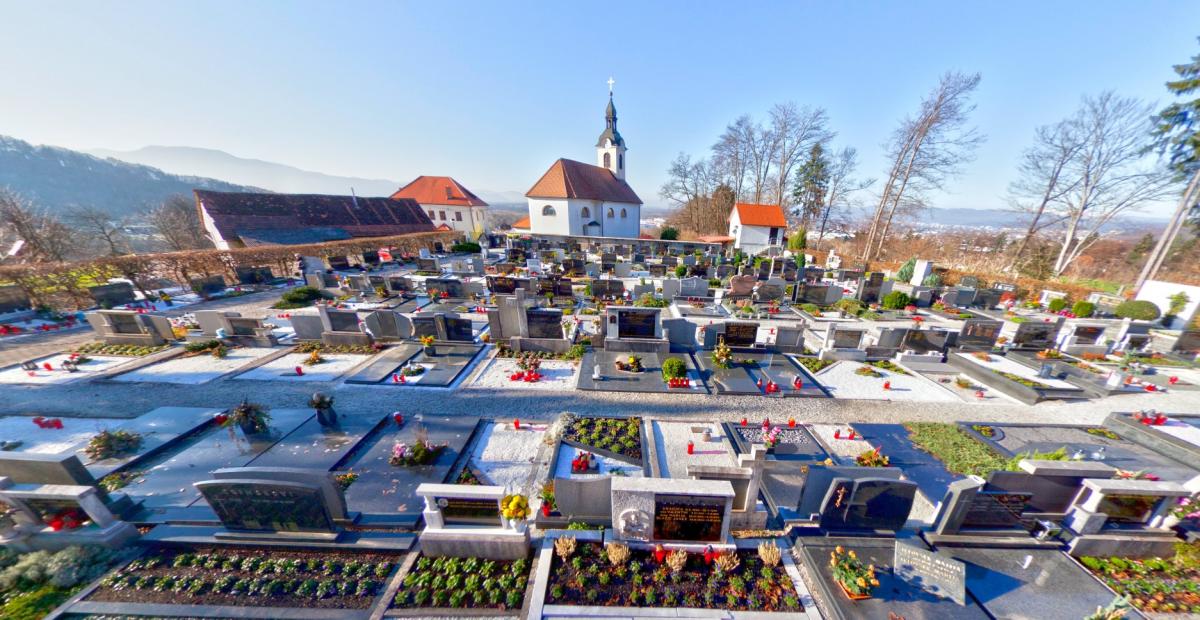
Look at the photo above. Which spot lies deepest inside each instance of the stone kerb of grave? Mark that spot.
(33, 504)
(487, 536)
(676, 512)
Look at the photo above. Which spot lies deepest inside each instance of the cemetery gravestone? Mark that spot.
(1036, 335)
(13, 299)
(867, 504)
(979, 334)
(261, 506)
(452, 289)
(112, 295)
(926, 340)
(1188, 343)
(544, 323)
(428, 265)
(688, 518)
(502, 285)
(337, 263)
(253, 275)
(637, 324)
(459, 330)
(770, 292)
(741, 334)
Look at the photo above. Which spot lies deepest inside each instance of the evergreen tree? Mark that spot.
(812, 186)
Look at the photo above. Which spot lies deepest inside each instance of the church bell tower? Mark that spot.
(610, 149)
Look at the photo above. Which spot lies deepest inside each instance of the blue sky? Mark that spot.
(492, 92)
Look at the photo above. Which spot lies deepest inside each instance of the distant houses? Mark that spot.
(448, 204)
(244, 219)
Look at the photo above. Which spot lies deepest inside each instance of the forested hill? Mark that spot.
(58, 179)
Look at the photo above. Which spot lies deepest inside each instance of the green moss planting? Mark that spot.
(958, 451)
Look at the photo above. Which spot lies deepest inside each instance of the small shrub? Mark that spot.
(1083, 309)
(1137, 310)
(564, 546)
(896, 300)
(673, 368)
(1057, 305)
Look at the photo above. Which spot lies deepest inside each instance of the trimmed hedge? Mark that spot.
(896, 300)
(1083, 309)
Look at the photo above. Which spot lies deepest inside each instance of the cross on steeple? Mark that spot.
(610, 85)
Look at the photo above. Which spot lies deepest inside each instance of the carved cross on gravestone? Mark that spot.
(756, 462)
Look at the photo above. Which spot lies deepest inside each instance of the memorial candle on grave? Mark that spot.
(887, 385)
(691, 447)
(395, 377)
(766, 425)
(517, 423)
(744, 421)
(47, 366)
(299, 371)
(1172, 380)
(791, 422)
(853, 435)
(399, 418)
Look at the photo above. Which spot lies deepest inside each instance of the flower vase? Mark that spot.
(250, 427)
(852, 596)
(518, 525)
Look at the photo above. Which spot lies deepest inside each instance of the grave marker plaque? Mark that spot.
(996, 509)
(940, 576)
(209, 286)
(636, 324)
(544, 323)
(847, 338)
(741, 334)
(1188, 343)
(429, 265)
(342, 321)
(501, 285)
(979, 334)
(459, 330)
(253, 275)
(338, 262)
(112, 295)
(1087, 334)
(1128, 508)
(770, 292)
(684, 518)
(469, 508)
(1035, 335)
(926, 340)
(424, 326)
(452, 288)
(608, 288)
(267, 506)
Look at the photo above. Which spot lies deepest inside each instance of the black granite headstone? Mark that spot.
(867, 504)
(209, 286)
(688, 518)
(450, 287)
(253, 275)
(544, 323)
(338, 262)
(459, 330)
(112, 295)
(502, 285)
(13, 299)
(996, 509)
(636, 323)
(343, 321)
(741, 334)
(938, 575)
(251, 505)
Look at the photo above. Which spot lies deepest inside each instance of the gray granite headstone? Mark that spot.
(13, 299)
(116, 294)
(867, 504)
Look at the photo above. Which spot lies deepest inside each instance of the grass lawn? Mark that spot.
(957, 450)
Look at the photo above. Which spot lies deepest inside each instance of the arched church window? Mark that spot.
(620, 162)
(607, 160)
(585, 213)
(548, 210)
(624, 214)
(610, 212)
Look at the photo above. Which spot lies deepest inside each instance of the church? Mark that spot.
(574, 198)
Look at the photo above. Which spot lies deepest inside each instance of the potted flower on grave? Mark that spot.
(323, 404)
(771, 438)
(872, 458)
(632, 364)
(515, 509)
(252, 418)
(314, 358)
(855, 579)
(427, 344)
(547, 497)
(421, 452)
(110, 444)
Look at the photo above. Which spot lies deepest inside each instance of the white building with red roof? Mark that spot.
(757, 228)
(574, 198)
(448, 204)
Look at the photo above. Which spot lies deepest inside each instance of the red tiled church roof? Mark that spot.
(438, 191)
(567, 178)
(522, 223)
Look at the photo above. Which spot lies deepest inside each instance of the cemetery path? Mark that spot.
(18, 349)
(119, 399)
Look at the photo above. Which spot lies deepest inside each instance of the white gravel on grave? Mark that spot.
(606, 466)
(38, 440)
(283, 369)
(1181, 430)
(196, 369)
(842, 382)
(95, 365)
(670, 441)
(556, 375)
(510, 457)
(1003, 364)
(842, 450)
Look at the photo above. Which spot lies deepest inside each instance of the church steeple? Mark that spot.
(610, 148)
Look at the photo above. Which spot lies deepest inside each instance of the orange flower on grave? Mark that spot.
(862, 583)
(839, 549)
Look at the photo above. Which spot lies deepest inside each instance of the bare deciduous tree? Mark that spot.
(1106, 174)
(795, 130)
(1041, 180)
(840, 189)
(924, 151)
(177, 222)
(100, 228)
(46, 238)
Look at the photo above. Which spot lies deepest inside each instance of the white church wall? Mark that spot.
(1159, 292)
(617, 226)
(557, 224)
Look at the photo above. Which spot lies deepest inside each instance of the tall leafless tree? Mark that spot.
(1042, 181)
(925, 150)
(840, 190)
(795, 131)
(1107, 173)
(177, 223)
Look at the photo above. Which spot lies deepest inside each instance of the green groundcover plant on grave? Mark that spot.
(111, 444)
(118, 350)
(119, 480)
(338, 349)
(587, 573)
(814, 365)
(420, 452)
(464, 583)
(1154, 585)
(299, 297)
(889, 366)
(618, 435)
(250, 577)
(33, 584)
(867, 371)
(251, 417)
(958, 451)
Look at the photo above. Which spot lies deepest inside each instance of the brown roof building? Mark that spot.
(447, 202)
(242, 219)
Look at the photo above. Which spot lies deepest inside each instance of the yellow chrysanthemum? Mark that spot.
(862, 583)
(839, 549)
(874, 582)
(852, 554)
